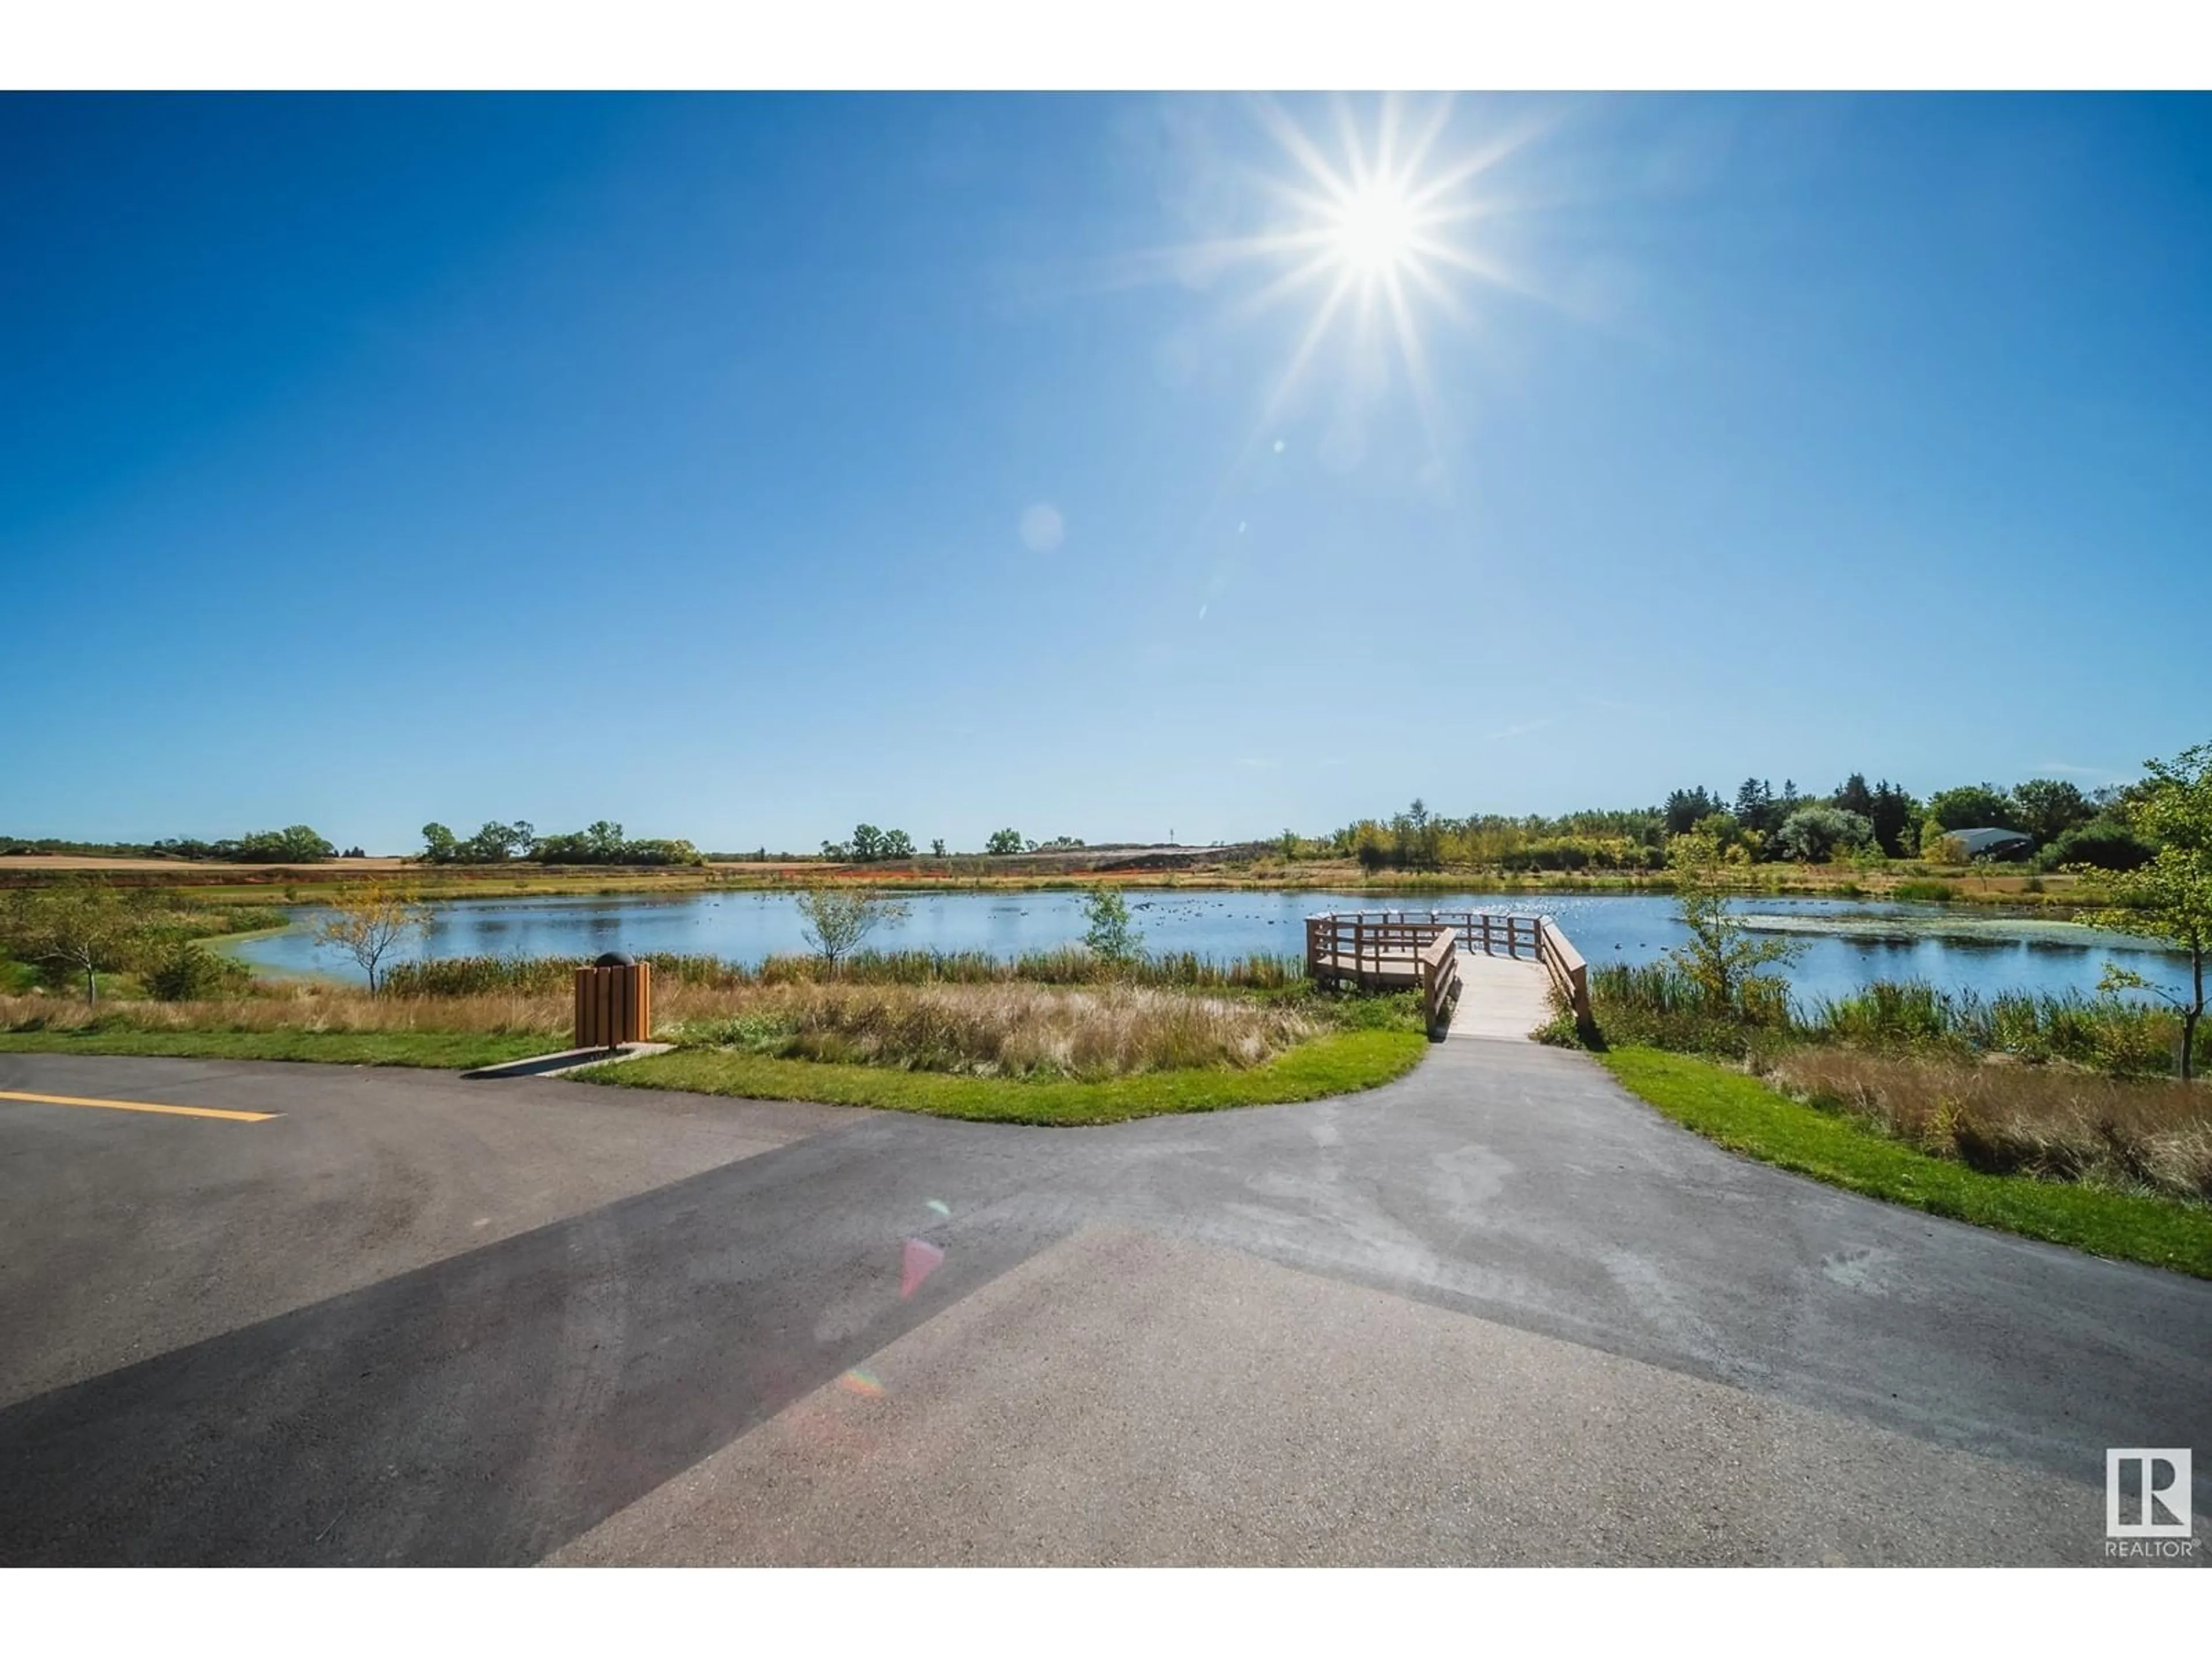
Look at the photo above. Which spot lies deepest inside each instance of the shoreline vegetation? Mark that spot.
(1858, 840)
(2046, 1116)
(2057, 894)
(1813, 1134)
(1087, 1033)
(1070, 1037)
(2084, 1121)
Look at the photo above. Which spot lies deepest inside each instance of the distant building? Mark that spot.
(1993, 843)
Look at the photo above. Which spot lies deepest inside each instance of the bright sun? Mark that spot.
(1375, 229)
(1376, 234)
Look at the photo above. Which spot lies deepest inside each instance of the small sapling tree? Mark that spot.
(368, 922)
(2170, 898)
(1112, 937)
(82, 925)
(1723, 957)
(837, 919)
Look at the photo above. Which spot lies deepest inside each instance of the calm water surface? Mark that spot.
(1848, 943)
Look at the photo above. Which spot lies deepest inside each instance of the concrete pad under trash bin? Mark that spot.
(569, 1060)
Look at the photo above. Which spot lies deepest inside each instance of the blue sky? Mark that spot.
(369, 461)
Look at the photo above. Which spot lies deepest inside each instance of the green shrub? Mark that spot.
(1937, 892)
(186, 973)
(1376, 1010)
(1567, 852)
(759, 1033)
(2102, 844)
(1817, 834)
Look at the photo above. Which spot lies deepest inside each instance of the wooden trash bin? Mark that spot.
(614, 1002)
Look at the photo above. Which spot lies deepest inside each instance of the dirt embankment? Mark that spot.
(190, 866)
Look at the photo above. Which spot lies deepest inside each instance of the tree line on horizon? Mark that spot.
(600, 842)
(296, 844)
(603, 842)
(496, 842)
(1857, 820)
(869, 845)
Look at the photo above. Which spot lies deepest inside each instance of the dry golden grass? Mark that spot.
(304, 1008)
(2002, 1118)
(994, 1030)
(985, 1030)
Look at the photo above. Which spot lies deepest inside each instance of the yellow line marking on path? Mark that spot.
(140, 1106)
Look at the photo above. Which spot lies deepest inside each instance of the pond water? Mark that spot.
(1848, 943)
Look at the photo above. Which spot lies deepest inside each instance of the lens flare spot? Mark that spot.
(1042, 527)
(867, 1384)
(921, 1259)
(940, 1207)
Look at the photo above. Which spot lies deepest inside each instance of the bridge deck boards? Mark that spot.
(1500, 997)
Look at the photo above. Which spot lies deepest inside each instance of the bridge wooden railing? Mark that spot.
(1439, 960)
(1377, 950)
(1494, 932)
(1378, 946)
(1569, 973)
(1366, 941)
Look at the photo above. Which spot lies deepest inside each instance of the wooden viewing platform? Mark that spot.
(1502, 966)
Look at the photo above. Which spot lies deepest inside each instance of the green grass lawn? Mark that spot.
(453, 1050)
(1745, 1115)
(1342, 1063)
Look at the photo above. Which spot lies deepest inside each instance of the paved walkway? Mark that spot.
(1495, 1312)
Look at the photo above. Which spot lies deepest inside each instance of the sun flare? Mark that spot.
(1375, 229)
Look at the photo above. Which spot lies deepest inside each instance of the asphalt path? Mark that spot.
(1496, 1312)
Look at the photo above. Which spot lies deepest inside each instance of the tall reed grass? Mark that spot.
(984, 1029)
(1657, 1004)
(2108, 1034)
(476, 975)
(303, 1008)
(466, 976)
(1006, 1030)
(2007, 1119)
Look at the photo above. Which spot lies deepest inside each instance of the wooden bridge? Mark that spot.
(1503, 968)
